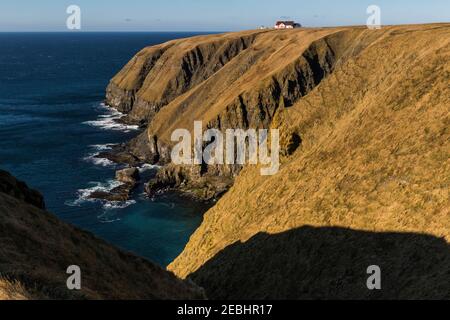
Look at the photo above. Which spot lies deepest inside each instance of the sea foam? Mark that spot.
(109, 121)
(145, 167)
(84, 195)
(98, 161)
(93, 157)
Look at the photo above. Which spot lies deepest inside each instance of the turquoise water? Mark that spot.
(52, 121)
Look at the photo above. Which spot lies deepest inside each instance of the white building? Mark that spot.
(287, 25)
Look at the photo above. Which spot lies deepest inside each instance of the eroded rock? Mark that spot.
(128, 175)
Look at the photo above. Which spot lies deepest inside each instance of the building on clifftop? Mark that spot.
(287, 25)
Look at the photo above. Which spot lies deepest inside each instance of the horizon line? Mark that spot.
(213, 31)
(115, 31)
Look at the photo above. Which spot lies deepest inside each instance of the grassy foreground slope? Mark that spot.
(374, 157)
(36, 249)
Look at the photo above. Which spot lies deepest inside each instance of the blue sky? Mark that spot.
(210, 15)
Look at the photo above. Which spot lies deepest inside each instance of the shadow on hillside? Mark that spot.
(329, 263)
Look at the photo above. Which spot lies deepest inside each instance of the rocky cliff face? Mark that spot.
(238, 80)
(363, 117)
(37, 248)
(157, 75)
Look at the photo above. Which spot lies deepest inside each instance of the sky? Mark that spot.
(210, 15)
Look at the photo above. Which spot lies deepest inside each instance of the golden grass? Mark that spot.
(12, 290)
(375, 154)
(247, 74)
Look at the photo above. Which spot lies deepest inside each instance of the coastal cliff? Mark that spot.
(37, 249)
(236, 80)
(364, 179)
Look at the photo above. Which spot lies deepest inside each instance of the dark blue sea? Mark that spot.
(52, 123)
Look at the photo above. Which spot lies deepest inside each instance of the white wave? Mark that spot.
(93, 157)
(84, 194)
(99, 161)
(118, 204)
(109, 121)
(102, 147)
(146, 167)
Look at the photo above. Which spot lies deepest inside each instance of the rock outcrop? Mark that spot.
(129, 179)
(128, 175)
(37, 248)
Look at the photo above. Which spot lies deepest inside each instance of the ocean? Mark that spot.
(52, 123)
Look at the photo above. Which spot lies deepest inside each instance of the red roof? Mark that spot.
(287, 23)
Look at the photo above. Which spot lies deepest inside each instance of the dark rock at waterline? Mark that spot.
(154, 186)
(145, 149)
(206, 188)
(128, 175)
(119, 154)
(120, 193)
(142, 123)
(133, 153)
